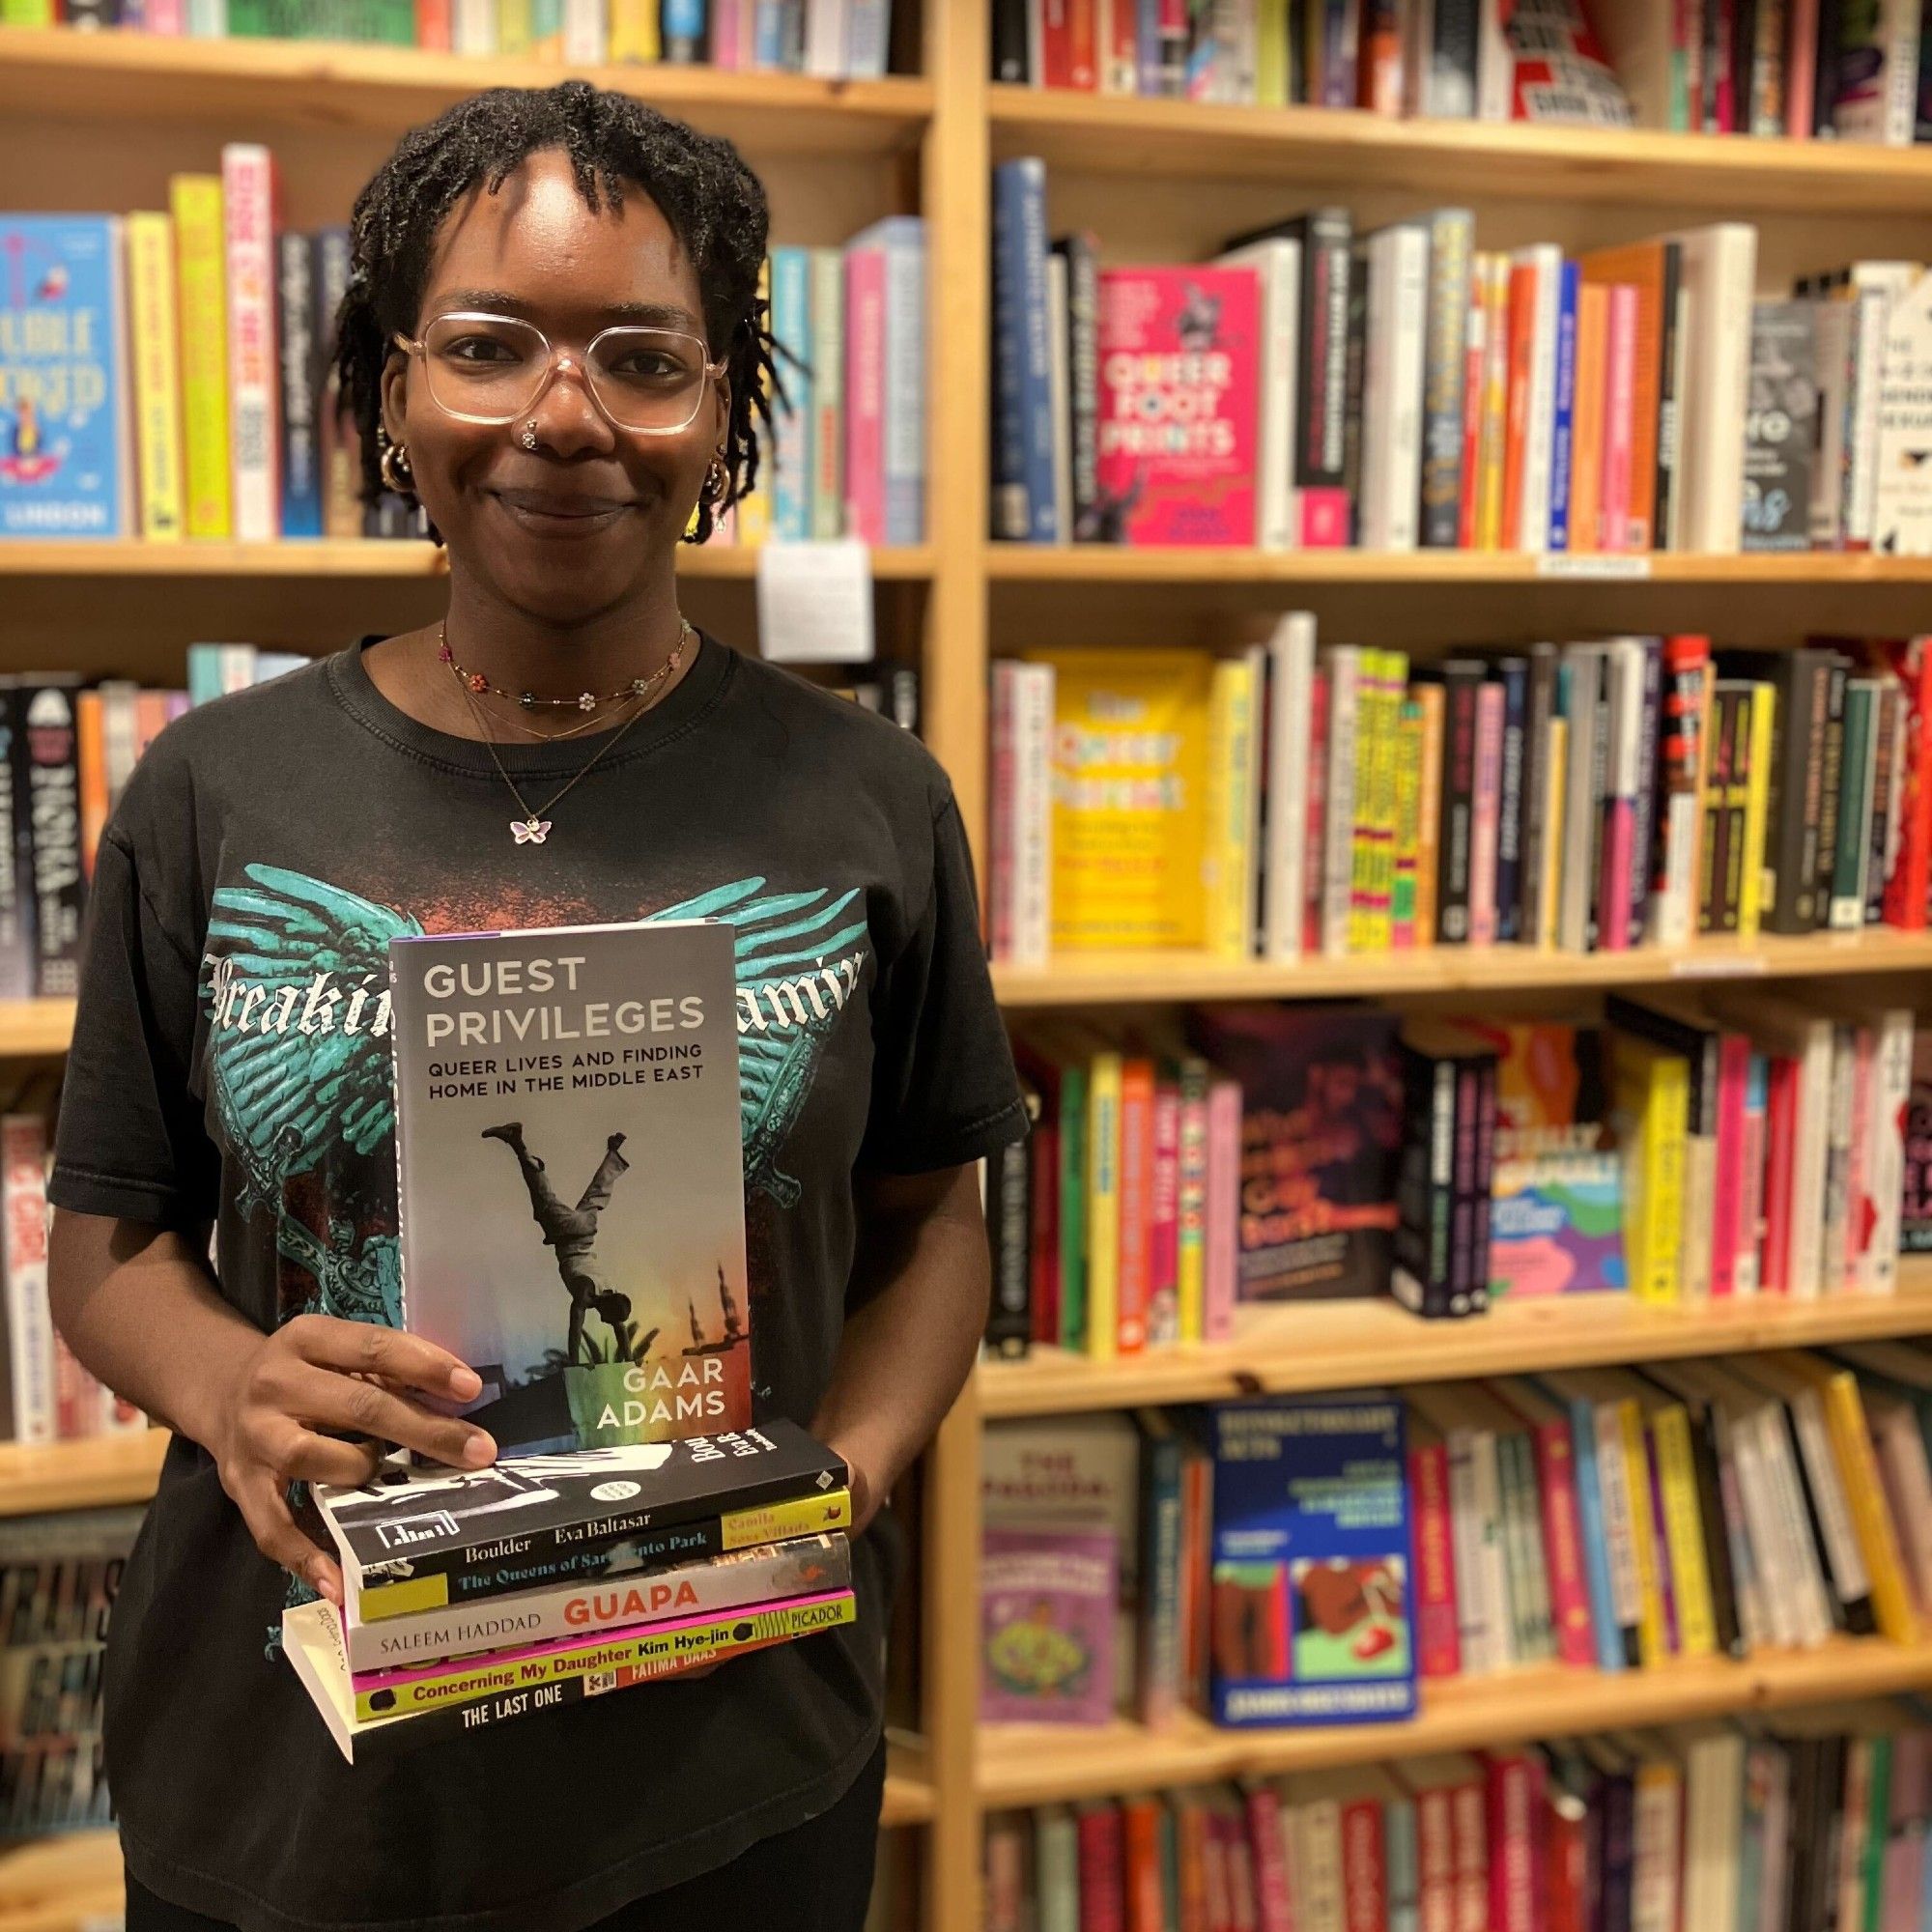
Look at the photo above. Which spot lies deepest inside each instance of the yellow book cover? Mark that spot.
(516, 29)
(1191, 1252)
(1871, 1518)
(1683, 1529)
(1757, 808)
(1553, 768)
(1493, 428)
(1428, 702)
(1228, 856)
(1652, 1638)
(156, 340)
(633, 31)
(1130, 798)
(202, 311)
(1407, 841)
(1103, 1206)
(1368, 718)
(1383, 806)
(1651, 1103)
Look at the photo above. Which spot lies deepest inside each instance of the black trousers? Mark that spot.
(817, 1878)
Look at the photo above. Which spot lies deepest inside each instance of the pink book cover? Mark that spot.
(1047, 1602)
(1364, 1867)
(1486, 823)
(1272, 1913)
(1192, 1182)
(1515, 1798)
(1224, 1232)
(433, 25)
(1435, 1862)
(1438, 1649)
(727, 51)
(1475, 342)
(1315, 849)
(1800, 69)
(1216, 1877)
(1728, 1229)
(999, 883)
(254, 383)
(1563, 1544)
(1619, 409)
(1242, 1910)
(1747, 1270)
(1902, 1884)
(1322, 519)
(1861, 1215)
(1164, 1247)
(1781, 1139)
(1103, 1898)
(1180, 386)
(864, 394)
(1469, 1814)
(170, 18)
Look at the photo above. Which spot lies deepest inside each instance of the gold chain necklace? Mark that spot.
(533, 827)
(476, 684)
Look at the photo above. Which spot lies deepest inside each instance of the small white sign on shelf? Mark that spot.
(1719, 966)
(815, 602)
(1593, 563)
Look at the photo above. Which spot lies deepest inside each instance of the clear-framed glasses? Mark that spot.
(492, 368)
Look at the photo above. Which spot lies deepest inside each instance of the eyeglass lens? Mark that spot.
(491, 369)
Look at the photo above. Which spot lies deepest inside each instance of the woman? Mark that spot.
(553, 340)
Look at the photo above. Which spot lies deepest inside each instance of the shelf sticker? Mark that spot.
(1719, 966)
(815, 603)
(1594, 565)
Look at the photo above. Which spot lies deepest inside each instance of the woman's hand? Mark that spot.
(293, 1398)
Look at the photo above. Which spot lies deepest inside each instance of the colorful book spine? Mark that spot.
(793, 414)
(248, 211)
(1103, 1206)
(157, 346)
(195, 202)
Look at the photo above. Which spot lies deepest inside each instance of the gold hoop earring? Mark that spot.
(394, 467)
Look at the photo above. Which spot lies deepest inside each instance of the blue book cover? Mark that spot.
(902, 239)
(1312, 1562)
(683, 24)
(1564, 429)
(65, 465)
(792, 467)
(1022, 361)
(298, 351)
(1595, 1538)
(768, 35)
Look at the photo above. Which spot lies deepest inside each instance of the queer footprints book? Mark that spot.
(570, 1176)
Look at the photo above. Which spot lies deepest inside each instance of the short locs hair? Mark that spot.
(714, 203)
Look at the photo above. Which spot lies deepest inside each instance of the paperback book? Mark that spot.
(570, 1176)
(422, 1537)
(1048, 1606)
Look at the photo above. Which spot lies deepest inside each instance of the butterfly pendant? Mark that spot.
(529, 830)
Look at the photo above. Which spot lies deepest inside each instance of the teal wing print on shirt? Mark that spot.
(798, 960)
(298, 978)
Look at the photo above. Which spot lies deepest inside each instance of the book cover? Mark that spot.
(571, 1179)
(249, 202)
(1022, 493)
(46, 821)
(1320, 1137)
(301, 357)
(156, 363)
(1311, 1554)
(66, 453)
(1179, 405)
(1781, 426)
(1047, 1629)
(1902, 510)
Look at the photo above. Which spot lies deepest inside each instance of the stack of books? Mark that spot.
(1289, 800)
(1805, 1820)
(836, 39)
(475, 1597)
(1401, 389)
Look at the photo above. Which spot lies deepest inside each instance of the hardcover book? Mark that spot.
(1320, 1139)
(1179, 405)
(1781, 426)
(571, 1177)
(1312, 1609)
(1047, 1615)
(421, 1537)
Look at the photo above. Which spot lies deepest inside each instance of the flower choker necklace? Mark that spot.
(476, 683)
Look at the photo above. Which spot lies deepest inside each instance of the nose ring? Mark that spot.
(530, 436)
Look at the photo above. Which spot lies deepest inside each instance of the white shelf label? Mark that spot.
(1719, 966)
(1598, 564)
(815, 603)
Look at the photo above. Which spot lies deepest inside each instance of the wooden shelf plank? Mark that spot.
(1332, 1345)
(1114, 134)
(1170, 564)
(337, 85)
(56, 1885)
(1093, 979)
(1037, 1765)
(96, 1473)
(31, 1028)
(339, 557)
(909, 1794)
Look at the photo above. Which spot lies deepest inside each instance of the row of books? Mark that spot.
(1690, 1150)
(1401, 389)
(629, 1563)
(168, 375)
(1797, 69)
(46, 1395)
(59, 1575)
(1481, 60)
(1285, 802)
(1306, 1561)
(1805, 1821)
(836, 39)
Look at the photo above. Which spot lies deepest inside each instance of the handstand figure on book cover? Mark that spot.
(573, 1232)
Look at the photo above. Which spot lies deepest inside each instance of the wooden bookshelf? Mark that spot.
(1469, 160)
(349, 556)
(31, 1028)
(60, 1885)
(338, 87)
(1329, 1345)
(95, 1473)
(1083, 979)
(1141, 564)
(1032, 1764)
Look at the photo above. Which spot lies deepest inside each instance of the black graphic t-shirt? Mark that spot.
(231, 1064)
